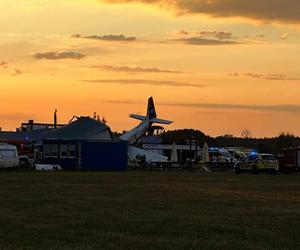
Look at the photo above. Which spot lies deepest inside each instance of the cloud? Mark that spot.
(205, 41)
(285, 11)
(268, 108)
(130, 69)
(276, 77)
(287, 108)
(119, 38)
(146, 82)
(286, 36)
(8, 68)
(206, 33)
(4, 64)
(59, 55)
(17, 72)
(214, 37)
(234, 74)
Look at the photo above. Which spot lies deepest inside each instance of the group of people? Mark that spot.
(218, 160)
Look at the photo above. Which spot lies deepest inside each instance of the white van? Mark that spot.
(8, 156)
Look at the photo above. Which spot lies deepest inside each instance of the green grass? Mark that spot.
(148, 210)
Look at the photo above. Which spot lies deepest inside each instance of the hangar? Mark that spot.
(85, 143)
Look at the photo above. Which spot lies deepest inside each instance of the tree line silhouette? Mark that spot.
(263, 145)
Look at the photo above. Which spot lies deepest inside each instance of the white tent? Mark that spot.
(174, 155)
(205, 154)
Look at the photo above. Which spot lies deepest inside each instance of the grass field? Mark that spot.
(148, 210)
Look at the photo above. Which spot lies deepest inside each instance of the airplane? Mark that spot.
(133, 135)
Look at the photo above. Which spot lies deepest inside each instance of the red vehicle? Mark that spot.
(289, 160)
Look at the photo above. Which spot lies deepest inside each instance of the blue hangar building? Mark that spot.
(85, 144)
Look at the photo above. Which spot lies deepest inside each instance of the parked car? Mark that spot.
(257, 163)
(8, 156)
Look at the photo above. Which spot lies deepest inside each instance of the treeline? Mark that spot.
(264, 145)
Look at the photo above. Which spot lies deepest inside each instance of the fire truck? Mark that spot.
(289, 159)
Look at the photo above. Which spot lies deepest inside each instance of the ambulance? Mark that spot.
(257, 163)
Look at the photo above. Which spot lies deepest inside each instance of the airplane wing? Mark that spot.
(138, 117)
(161, 121)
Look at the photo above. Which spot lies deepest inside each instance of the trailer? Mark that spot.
(9, 157)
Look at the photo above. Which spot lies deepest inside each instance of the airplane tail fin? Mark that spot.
(151, 113)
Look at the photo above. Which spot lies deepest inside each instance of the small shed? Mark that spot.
(90, 155)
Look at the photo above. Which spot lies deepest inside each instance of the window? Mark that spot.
(71, 151)
(63, 151)
(8, 153)
(47, 150)
(54, 150)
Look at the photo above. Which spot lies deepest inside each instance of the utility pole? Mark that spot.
(190, 165)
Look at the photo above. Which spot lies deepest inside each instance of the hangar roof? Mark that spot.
(82, 128)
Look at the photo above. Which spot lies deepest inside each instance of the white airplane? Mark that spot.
(136, 133)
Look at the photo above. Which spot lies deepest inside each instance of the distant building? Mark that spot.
(31, 126)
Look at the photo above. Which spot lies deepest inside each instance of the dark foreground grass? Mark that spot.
(148, 210)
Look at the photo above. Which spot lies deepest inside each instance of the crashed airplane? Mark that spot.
(137, 132)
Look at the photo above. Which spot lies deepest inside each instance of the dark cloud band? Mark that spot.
(288, 108)
(286, 11)
(129, 69)
(146, 82)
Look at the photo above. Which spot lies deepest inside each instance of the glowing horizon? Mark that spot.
(216, 69)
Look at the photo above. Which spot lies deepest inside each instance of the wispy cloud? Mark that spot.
(130, 69)
(205, 41)
(286, 36)
(207, 33)
(9, 68)
(268, 108)
(59, 55)
(274, 77)
(17, 72)
(287, 108)
(146, 82)
(118, 38)
(4, 64)
(214, 37)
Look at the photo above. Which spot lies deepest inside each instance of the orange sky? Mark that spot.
(218, 67)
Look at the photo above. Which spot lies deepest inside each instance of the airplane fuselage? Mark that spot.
(136, 133)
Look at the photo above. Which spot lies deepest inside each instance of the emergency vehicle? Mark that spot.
(257, 163)
(289, 160)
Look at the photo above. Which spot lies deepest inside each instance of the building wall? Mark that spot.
(86, 155)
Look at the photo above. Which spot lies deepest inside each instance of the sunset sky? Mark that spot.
(216, 65)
